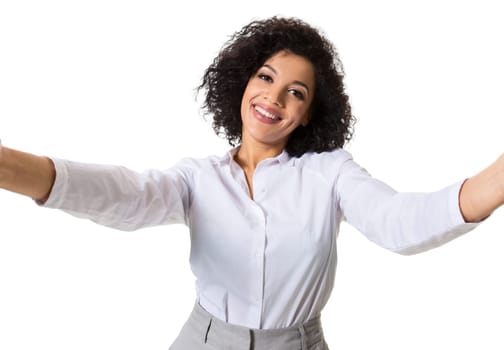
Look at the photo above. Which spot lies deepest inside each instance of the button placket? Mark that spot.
(258, 260)
(260, 190)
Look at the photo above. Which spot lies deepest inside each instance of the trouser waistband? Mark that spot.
(224, 335)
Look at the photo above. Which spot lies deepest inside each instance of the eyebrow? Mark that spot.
(298, 82)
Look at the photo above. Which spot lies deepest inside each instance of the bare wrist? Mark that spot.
(500, 172)
(3, 173)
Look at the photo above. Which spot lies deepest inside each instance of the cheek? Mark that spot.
(251, 91)
(305, 112)
(244, 106)
(301, 114)
(244, 101)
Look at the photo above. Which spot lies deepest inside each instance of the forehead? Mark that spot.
(292, 66)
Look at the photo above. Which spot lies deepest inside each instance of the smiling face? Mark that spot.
(277, 100)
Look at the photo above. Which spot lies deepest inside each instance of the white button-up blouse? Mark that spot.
(267, 262)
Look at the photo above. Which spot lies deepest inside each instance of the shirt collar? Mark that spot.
(282, 158)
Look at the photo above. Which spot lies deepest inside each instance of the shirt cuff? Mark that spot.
(456, 213)
(458, 225)
(60, 186)
(447, 202)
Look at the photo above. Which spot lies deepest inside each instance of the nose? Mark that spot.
(274, 96)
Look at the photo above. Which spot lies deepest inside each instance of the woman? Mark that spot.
(263, 218)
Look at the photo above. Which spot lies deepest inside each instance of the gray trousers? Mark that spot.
(202, 331)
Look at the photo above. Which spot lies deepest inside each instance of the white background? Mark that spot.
(113, 82)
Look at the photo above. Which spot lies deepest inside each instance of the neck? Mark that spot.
(248, 156)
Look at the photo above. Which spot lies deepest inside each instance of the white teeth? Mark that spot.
(265, 113)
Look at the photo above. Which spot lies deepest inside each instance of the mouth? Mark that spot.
(266, 114)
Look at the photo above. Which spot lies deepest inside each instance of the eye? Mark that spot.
(265, 77)
(298, 94)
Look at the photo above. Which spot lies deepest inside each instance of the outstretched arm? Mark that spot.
(25, 173)
(483, 193)
(110, 195)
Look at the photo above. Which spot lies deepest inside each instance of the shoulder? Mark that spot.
(327, 165)
(190, 166)
(324, 161)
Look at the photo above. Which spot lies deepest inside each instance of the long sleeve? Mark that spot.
(118, 197)
(406, 223)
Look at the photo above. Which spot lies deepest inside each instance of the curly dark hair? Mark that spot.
(224, 82)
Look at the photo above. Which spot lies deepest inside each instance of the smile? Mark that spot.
(266, 114)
